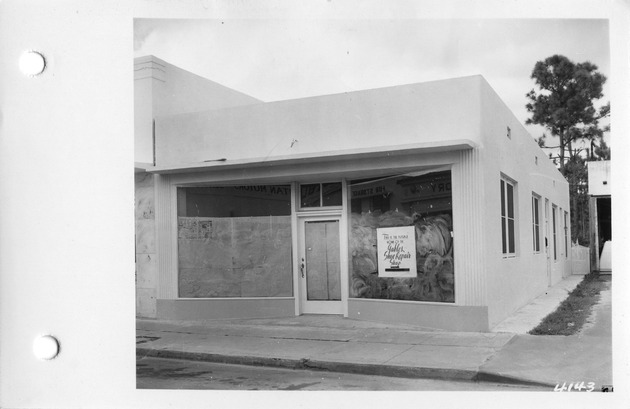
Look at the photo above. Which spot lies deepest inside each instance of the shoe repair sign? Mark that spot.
(396, 248)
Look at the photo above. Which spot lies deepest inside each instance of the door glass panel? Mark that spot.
(322, 260)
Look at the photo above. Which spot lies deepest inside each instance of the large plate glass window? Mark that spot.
(404, 213)
(234, 241)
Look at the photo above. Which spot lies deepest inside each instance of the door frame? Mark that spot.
(321, 307)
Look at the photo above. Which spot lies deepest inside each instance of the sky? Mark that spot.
(292, 58)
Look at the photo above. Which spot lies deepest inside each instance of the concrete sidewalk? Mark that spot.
(586, 356)
(324, 342)
(530, 315)
(345, 345)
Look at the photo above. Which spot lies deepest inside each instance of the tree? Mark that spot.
(576, 173)
(565, 104)
(601, 152)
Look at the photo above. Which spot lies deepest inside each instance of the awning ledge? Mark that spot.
(321, 157)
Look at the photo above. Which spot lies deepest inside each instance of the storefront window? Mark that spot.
(401, 238)
(234, 241)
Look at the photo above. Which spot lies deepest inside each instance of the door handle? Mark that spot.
(302, 267)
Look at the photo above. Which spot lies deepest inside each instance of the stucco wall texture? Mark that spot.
(514, 281)
(164, 89)
(146, 267)
(437, 111)
(161, 88)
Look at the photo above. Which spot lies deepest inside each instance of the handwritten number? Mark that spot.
(562, 389)
(578, 386)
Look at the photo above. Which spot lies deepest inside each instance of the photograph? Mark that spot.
(334, 203)
(373, 204)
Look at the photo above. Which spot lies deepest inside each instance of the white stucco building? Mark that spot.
(253, 209)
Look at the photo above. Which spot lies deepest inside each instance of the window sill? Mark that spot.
(319, 209)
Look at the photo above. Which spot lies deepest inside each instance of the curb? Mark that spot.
(512, 380)
(344, 367)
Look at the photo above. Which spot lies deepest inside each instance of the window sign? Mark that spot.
(396, 251)
(368, 191)
(386, 204)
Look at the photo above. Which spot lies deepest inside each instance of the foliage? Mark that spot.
(565, 106)
(575, 171)
(602, 151)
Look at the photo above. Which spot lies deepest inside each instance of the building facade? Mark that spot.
(427, 204)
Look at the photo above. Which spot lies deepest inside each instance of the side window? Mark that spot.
(508, 218)
(536, 222)
(554, 226)
(566, 234)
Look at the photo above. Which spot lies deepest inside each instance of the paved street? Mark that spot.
(335, 353)
(157, 373)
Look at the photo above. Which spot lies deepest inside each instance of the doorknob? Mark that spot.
(302, 267)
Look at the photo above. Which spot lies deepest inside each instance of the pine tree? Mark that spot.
(565, 106)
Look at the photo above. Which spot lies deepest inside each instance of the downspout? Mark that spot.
(153, 144)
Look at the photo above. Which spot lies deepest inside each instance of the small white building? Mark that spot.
(600, 215)
(427, 204)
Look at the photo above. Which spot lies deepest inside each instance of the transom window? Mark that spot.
(507, 218)
(320, 195)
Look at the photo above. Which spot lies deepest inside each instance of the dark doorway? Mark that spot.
(604, 221)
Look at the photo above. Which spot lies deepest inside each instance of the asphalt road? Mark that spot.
(156, 373)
